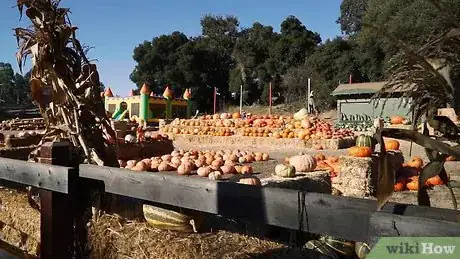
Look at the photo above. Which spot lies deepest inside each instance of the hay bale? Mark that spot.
(318, 181)
(358, 175)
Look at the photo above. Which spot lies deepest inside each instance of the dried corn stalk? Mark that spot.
(60, 68)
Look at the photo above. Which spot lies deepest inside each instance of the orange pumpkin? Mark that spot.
(415, 162)
(399, 186)
(236, 115)
(413, 184)
(392, 145)
(360, 151)
(435, 180)
(396, 120)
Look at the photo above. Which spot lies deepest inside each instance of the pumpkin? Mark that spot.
(163, 167)
(236, 115)
(304, 163)
(363, 141)
(415, 162)
(185, 168)
(203, 171)
(238, 169)
(399, 186)
(360, 151)
(283, 170)
(216, 175)
(435, 180)
(242, 160)
(228, 169)
(413, 185)
(392, 144)
(140, 166)
(396, 120)
(250, 181)
(265, 157)
(246, 169)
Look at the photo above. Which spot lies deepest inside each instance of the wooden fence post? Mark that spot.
(56, 218)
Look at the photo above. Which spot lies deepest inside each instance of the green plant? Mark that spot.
(429, 76)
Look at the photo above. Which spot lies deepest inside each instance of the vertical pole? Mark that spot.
(169, 108)
(350, 79)
(270, 98)
(215, 99)
(308, 94)
(241, 99)
(57, 209)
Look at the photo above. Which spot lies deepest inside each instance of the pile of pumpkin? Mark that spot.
(308, 163)
(211, 164)
(205, 130)
(407, 176)
(364, 146)
(312, 128)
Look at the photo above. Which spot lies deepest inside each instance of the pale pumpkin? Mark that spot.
(250, 181)
(304, 163)
(283, 170)
(203, 171)
(216, 175)
(185, 168)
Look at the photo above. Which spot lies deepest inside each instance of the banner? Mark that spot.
(416, 247)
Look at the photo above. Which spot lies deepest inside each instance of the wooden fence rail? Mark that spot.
(343, 217)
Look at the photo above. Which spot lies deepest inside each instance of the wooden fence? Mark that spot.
(348, 218)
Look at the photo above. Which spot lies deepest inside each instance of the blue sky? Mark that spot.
(115, 27)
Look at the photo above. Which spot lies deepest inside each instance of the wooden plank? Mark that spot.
(342, 217)
(390, 225)
(54, 178)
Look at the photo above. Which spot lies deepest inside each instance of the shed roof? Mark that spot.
(359, 88)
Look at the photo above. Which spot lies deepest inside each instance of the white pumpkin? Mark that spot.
(130, 138)
(286, 171)
(303, 163)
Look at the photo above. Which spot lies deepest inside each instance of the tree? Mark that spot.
(351, 15)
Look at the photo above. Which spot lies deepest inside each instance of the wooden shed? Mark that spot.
(354, 101)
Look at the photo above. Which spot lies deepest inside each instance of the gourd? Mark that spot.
(283, 170)
(360, 151)
(339, 245)
(304, 163)
(167, 219)
(392, 144)
(363, 141)
(361, 249)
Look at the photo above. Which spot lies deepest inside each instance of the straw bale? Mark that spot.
(318, 181)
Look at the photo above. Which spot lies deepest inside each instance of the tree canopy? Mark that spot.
(227, 55)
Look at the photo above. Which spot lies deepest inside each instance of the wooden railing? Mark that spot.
(342, 217)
